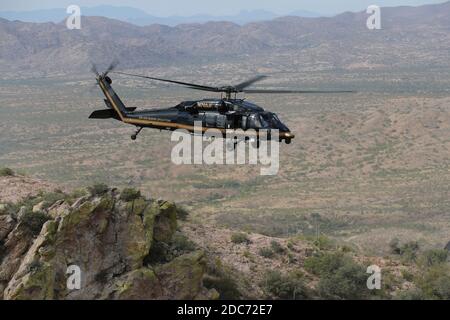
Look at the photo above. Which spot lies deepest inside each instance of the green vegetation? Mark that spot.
(129, 194)
(182, 214)
(98, 189)
(220, 278)
(432, 281)
(407, 251)
(6, 172)
(44, 199)
(225, 285)
(240, 238)
(277, 247)
(435, 283)
(434, 257)
(340, 276)
(266, 253)
(34, 221)
(162, 252)
(50, 198)
(182, 244)
(286, 287)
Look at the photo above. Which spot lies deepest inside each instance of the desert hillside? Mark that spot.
(129, 247)
(419, 34)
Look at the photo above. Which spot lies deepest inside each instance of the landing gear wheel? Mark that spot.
(288, 141)
(134, 136)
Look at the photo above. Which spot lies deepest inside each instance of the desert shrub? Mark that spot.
(98, 189)
(225, 285)
(222, 279)
(182, 213)
(239, 238)
(266, 253)
(287, 287)
(411, 294)
(6, 172)
(347, 282)
(394, 246)
(407, 251)
(34, 221)
(181, 243)
(162, 252)
(407, 275)
(34, 266)
(323, 243)
(434, 257)
(324, 263)
(130, 194)
(277, 247)
(77, 194)
(435, 282)
(247, 254)
(290, 245)
(291, 258)
(340, 276)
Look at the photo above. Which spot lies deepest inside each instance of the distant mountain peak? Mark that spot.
(142, 18)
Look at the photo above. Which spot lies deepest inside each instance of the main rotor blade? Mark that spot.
(94, 69)
(291, 91)
(189, 85)
(112, 66)
(245, 84)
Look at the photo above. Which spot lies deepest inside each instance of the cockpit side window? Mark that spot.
(265, 120)
(254, 122)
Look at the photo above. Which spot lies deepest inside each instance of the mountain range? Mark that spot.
(142, 18)
(416, 37)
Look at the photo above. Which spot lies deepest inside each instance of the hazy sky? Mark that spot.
(191, 7)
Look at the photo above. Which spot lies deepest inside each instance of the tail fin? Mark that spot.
(112, 99)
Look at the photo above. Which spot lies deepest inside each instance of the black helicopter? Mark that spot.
(227, 113)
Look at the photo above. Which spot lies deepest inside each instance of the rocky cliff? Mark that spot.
(112, 239)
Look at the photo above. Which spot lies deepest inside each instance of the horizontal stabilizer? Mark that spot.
(104, 114)
(108, 104)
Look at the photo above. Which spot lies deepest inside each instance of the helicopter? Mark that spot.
(224, 114)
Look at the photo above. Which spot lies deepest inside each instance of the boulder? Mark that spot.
(22, 212)
(181, 279)
(39, 207)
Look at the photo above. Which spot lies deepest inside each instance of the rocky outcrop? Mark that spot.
(107, 240)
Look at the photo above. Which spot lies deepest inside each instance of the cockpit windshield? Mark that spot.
(271, 120)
